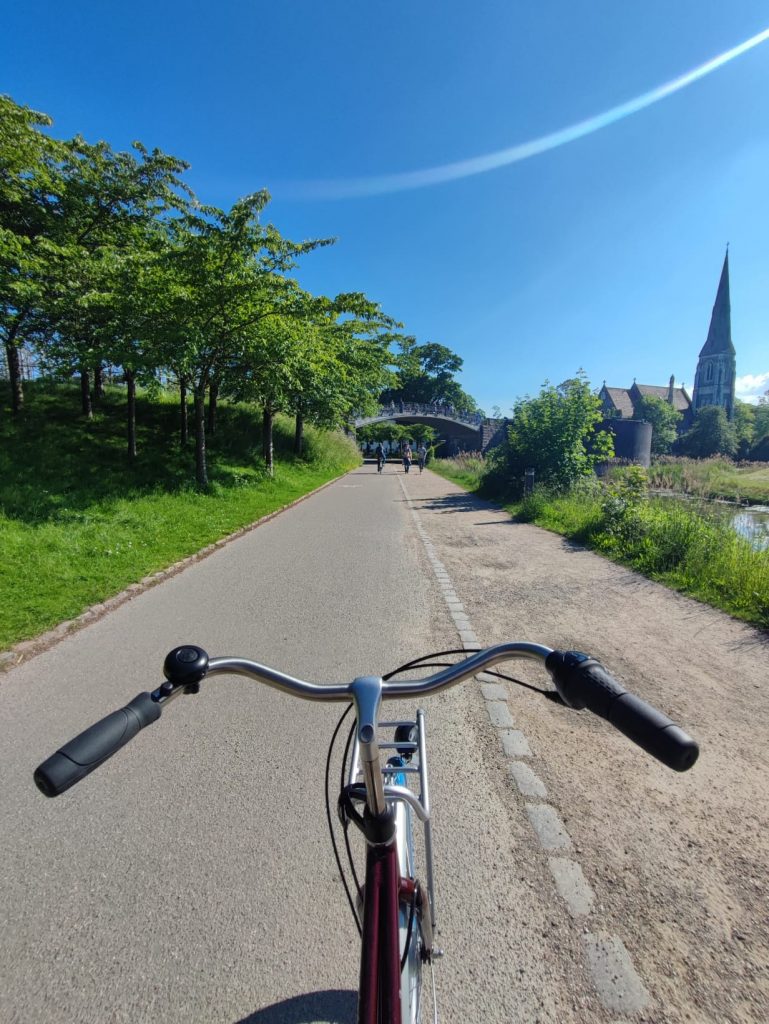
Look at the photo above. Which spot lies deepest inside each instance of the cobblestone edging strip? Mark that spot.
(29, 648)
(617, 983)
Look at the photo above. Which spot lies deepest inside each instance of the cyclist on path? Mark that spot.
(381, 458)
(407, 457)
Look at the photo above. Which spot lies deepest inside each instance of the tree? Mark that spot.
(112, 203)
(761, 421)
(664, 420)
(555, 434)
(710, 434)
(343, 364)
(224, 280)
(425, 375)
(423, 432)
(31, 186)
(745, 427)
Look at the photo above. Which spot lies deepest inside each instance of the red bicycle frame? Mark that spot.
(379, 1000)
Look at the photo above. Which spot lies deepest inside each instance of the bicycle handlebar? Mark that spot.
(581, 681)
(80, 756)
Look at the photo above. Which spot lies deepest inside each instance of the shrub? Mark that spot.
(555, 434)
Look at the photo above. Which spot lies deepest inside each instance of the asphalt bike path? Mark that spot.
(190, 878)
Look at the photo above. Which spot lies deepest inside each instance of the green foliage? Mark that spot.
(555, 434)
(760, 450)
(466, 470)
(710, 434)
(425, 374)
(761, 418)
(664, 420)
(575, 513)
(107, 258)
(745, 427)
(622, 505)
(534, 506)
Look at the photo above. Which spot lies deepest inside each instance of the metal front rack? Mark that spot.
(419, 802)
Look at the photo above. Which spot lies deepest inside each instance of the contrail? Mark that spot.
(349, 188)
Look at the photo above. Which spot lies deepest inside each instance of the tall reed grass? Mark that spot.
(466, 469)
(712, 478)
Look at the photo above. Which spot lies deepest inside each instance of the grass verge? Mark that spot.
(78, 525)
(465, 470)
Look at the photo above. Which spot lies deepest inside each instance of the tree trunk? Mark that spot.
(213, 394)
(14, 376)
(98, 382)
(130, 380)
(299, 433)
(267, 439)
(185, 433)
(85, 393)
(201, 469)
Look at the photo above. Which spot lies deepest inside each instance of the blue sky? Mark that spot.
(604, 253)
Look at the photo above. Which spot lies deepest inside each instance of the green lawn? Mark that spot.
(78, 524)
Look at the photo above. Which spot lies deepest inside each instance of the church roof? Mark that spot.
(681, 400)
(720, 333)
(621, 400)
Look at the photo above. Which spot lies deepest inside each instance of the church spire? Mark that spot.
(720, 334)
(714, 381)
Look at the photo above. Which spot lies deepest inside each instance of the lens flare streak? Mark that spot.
(404, 181)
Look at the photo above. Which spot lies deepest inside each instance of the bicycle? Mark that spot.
(393, 910)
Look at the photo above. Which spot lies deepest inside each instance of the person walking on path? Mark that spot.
(422, 456)
(380, 457)
(406, 457)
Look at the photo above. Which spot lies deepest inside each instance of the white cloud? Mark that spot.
(751, 386)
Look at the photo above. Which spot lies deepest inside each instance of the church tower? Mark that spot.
(717, 368)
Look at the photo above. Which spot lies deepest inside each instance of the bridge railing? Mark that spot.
(474, 419)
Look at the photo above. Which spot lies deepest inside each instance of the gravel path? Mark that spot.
(678, 864)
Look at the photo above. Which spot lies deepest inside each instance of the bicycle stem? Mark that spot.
(366, 692)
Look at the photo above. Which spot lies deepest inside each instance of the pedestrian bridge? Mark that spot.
(461, 431)
(405, 411)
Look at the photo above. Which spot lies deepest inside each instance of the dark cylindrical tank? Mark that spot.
(632, 439)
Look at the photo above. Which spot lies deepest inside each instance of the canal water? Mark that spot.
(750, 522)
(753, 524)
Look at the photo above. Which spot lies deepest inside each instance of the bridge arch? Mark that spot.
(459, 431)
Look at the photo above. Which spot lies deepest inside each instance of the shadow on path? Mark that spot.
(334, 1006)
(452, 503)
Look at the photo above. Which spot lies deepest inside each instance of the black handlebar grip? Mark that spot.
(91, 748)
(583, 682)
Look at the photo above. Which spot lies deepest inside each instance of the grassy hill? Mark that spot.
(78, 523)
